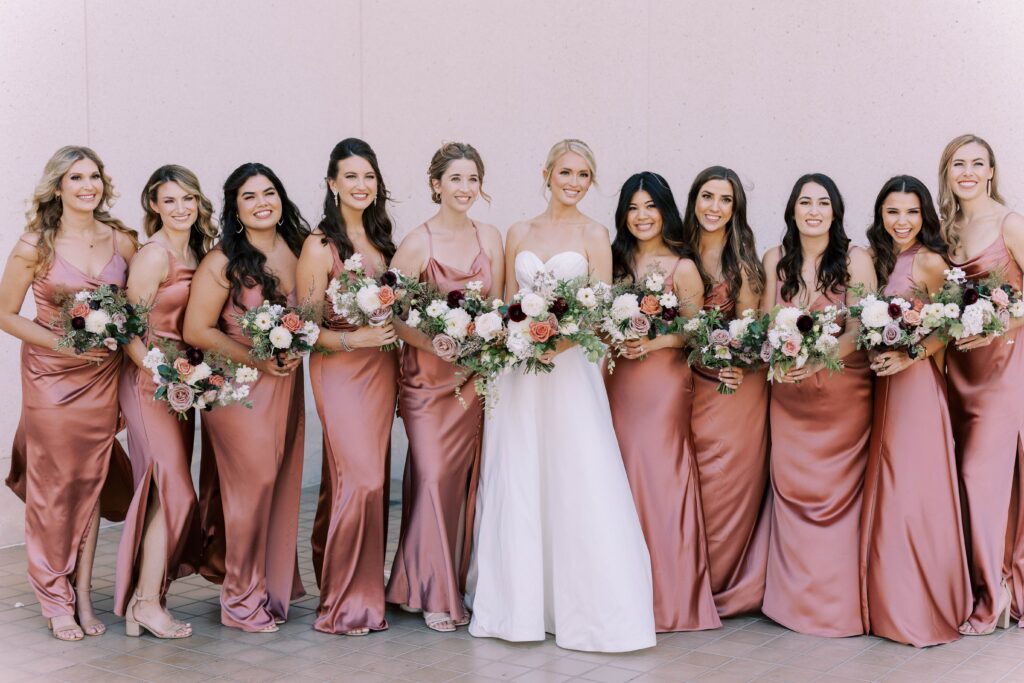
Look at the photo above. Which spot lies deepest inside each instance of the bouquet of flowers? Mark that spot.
(189, 381)
(893, 322)
(639, 310)
(720, 343)
(278, 331)
(101, 317)
(363, 300)
(796, 336)
(976, 307)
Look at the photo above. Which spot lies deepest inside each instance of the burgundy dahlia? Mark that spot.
(115, 289)
(389, 278)
(559, 307)
(455, 297)
(194, 355)
(805, 323)
(970, 296)
(668, 314)
(515, 313)
(895, 311)
(78, 322)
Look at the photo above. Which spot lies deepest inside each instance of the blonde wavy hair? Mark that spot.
(949, 208)
(204, 230)
(45, 207)
(564, 147)
(443, 158)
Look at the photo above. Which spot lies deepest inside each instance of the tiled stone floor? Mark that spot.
(748, 649)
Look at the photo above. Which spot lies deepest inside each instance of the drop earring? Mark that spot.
(240, 226)
(988, 187)
(337, 198)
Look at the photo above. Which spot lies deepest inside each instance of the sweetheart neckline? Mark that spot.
(552, 257)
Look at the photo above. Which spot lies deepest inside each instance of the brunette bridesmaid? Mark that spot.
(69, 400)
(820, 425)
(355, 390)
(732, 463)
(651, 396)
(449, 250)
(160, 541)
(914, 583)
(258, 450)
(984, 376)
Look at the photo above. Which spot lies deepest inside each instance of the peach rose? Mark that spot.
(80, 310)
(386, 295)
(912, 317)
(291, 321)
(540, 332)
(183, 367)
(917, 304)
(470, 329)
(650, 305)
(791, 347)
(216, 381)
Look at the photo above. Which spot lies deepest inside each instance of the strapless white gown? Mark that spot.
(558, 546)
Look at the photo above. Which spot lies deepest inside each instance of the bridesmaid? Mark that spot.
(258, 451)
(355, 390)
(915, 587)
(449, 250)
(984, 375)
(651, 393)
(160, 541)
(69, 400)
(732, 463)
(819, 426)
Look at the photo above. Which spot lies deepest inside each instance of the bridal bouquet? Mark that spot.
(639, 310)
(189, 381)
(363, 300)
(893, 322)
(277, 331)
(976, 307)
(101, 317)
(720, 343)
(796, 337)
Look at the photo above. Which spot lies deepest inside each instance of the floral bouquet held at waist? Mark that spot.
(797, 337)
(720, 343)
(279, 332)
(99, 318)
(192, 381)
(976, 307)
(362, 300)
(641, 310)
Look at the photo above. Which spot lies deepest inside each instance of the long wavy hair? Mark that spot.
(247, 264)
(881, 241)
(833, 274)
(624, 245)
(949, 208)
(739, 257)
(45, 207)
(204, 230)
(376, 221)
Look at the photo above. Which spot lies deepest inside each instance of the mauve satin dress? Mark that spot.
(68, 420)
(915, 587)
(442, 467)
(733, 467)
(819, 447)
(258, 454)
(160, 446)
(355, 396)
(650, 401)
(987, 411)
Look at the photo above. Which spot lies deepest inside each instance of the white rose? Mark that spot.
(668, 300)
(456, 322)
(353, 262)
(153, 359)
(603, 291)
(774, 337)
(414, 318)
(786, 317)
(199, 373)
(533, 304)
(488, 325)
(875, 314)
(437, 308)
(587, 297)
(520, 346)
(625, 306)
(831, 328)
(367, 298)
(263, 321)
(655, 282)
(280, 337)
(96, 322)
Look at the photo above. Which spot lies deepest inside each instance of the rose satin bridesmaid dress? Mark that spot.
(68, 421)
(987, 413)
(355, 396)
(442, 468)
(915, 587)
(819, 446)
(160, 446)
(732, 463)
(259, 453)
(650, 400)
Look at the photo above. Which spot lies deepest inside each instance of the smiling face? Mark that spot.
(355, 182)
(901, 218)
(177, 208)
(643, 218)
(569, 178)
(259, 204)
(813, 210)
(714, 205)
(81, 188)
(969, 171)
(459, 185)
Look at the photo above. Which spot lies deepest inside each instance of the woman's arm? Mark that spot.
(1013, 237)
(599, 252)
(147, 272)
(689, 289)
(929, 271)
(862, 272)
(513, 239)
(411, 259)
(771, 279)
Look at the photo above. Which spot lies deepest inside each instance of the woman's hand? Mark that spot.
(270, 366)
(372, 337)
(891, 362)
(975, 341)
(92, 355)
(731, 377)
(795, 375)
(548, 357)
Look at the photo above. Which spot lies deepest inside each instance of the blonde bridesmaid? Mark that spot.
(160, 541)
(651, 396)
(984, 376)
(258, 451)
(732, 463)
(69, 400)
(449, 250)
(914, 583)
(820, 425)
(355, 388)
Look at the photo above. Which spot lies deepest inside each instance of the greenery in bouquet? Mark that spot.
(720, 343)
(278, 331)
(797, 337)
(192, 379)
(639, 310)
(976, 307)
(99, 318)
(363, 300)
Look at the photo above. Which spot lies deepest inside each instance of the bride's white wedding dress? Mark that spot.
(558, 546)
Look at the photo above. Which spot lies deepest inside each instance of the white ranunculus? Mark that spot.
(246, 375)
(368, 298)
(437, 308)
(655, 282)
(951, 311)
(488, 325)
(625, 306)
(874, 337)
(456, 322)
(668, 300)
(520, 345)
(280, 337)
(587, 297)
(96, 321)
(786, 317)
(533, 304)
(875, 314)
(414, 319)
(153, 359)
(263, 321)
(353, 262)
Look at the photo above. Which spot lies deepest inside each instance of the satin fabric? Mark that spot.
(66, 435)
(987, 415)
(442, 467)
(258, 456)
(355, 396)
(650, 400)
(819, 435)
(733, 468)
(915, 587)
(160, 446)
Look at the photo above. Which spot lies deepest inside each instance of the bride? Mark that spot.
(558, 546)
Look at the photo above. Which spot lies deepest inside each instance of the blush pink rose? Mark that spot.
(386, 296)
(180, 396)
(912, 317)
(291, 321)
(640, 324)
(720, 337)
(791, 347)
(445, 347)
(183, 367)
(1000, 298)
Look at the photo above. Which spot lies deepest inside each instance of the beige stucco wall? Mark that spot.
(774, 89)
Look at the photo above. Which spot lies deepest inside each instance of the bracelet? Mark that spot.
(344, 343)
